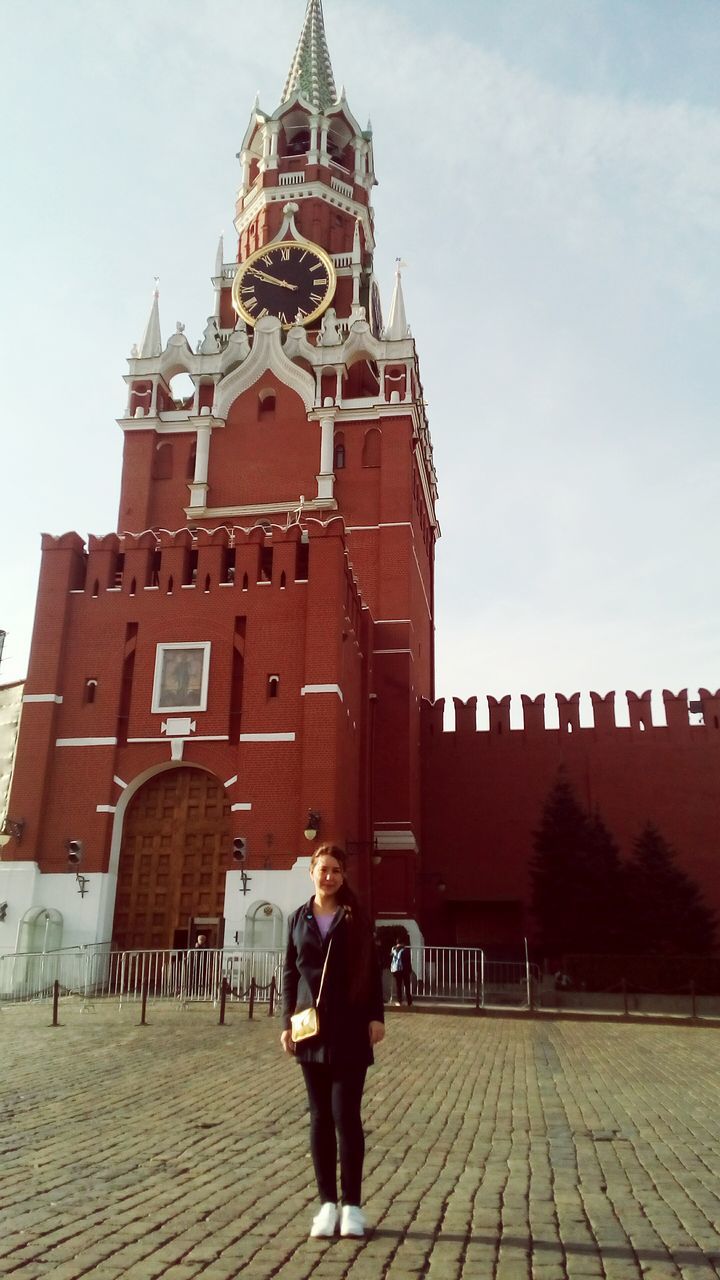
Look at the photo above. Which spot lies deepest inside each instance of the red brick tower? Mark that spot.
(251, 646)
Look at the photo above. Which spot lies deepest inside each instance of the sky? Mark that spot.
(550, 172)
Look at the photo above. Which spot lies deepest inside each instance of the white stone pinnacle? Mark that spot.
(397, 325)
(151, 344)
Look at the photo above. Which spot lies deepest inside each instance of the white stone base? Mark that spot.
(89, 919)
(85, 919)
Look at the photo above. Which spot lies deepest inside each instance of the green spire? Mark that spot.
(311, 72)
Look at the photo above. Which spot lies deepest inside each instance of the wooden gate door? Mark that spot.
(176, 849)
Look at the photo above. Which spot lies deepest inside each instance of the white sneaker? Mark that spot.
(352, 1221)
(325, 1221)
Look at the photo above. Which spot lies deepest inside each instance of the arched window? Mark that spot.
(190, 469)
(273, 686)
(371, 448)
(90, 691)
(339, 452)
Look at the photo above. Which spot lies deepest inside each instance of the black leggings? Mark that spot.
(335, 1098)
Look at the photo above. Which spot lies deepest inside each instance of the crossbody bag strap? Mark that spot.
(322, 979)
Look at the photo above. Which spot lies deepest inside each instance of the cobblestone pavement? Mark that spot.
(497, 1150)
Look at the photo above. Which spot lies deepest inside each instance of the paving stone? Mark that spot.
(496, 1149)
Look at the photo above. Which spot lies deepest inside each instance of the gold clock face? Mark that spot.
(290, 279)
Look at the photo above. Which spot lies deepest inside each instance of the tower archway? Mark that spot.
(175, 851)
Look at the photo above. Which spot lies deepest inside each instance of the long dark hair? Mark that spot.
(359, 932)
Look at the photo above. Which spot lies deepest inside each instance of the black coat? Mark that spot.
(344, 1036)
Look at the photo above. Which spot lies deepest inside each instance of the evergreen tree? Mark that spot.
(575, 874)
(664, 907)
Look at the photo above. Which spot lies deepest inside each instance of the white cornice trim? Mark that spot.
(322, 688)
(42, 697)
(86, 742)
(267, 737)
(261, 509)
(162, 426)
(196, 737)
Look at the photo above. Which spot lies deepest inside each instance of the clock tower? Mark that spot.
(238, 671)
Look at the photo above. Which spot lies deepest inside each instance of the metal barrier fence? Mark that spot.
(464, 975)
(455, 974)
(97, 972)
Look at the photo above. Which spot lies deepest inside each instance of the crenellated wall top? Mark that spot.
(681, 713)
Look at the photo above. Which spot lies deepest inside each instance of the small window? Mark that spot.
(339, 452)
(273, 686)
(266, 564)
(302, 561)
(190, 472)
(90, 691)
(266, 404)
(229, 564)
(283, 580)
(245, 583)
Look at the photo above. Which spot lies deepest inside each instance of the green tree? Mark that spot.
(665, 911)
(576, 878)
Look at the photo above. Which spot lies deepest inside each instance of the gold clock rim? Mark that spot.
(319, 252)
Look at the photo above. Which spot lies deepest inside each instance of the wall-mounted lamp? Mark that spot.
(75, 850)
(312, 825)
(239, 849)
(12, 829)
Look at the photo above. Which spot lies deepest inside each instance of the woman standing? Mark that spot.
(330, 928)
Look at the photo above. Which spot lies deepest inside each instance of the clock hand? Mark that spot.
(263, 275)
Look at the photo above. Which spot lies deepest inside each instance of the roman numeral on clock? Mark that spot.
(285, 255)
(316, 298)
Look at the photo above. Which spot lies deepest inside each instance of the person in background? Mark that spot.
(401, 970)
(330, 928)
